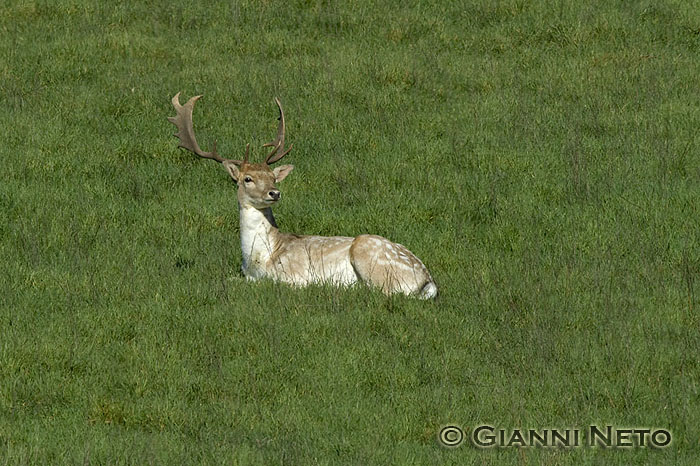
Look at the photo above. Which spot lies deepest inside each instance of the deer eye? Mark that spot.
(248, 179)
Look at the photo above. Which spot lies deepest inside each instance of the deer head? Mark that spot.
(256, 181)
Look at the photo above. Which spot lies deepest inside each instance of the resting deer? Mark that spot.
(297, 259)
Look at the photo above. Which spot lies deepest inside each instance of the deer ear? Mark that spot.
(282, 171)
(232, 169)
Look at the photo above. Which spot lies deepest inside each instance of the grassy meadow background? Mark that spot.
(540, 157)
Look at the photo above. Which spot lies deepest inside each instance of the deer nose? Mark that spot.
(274, 195)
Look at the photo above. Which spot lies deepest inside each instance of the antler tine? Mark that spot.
(183, 122)
(278, 144)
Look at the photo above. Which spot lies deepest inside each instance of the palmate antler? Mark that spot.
(278, 152)
(183, 122)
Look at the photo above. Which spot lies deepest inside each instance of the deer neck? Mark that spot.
(258, 238)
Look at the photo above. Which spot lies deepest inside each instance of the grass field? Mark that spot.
(541, 158)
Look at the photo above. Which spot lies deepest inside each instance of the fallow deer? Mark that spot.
(299, 259)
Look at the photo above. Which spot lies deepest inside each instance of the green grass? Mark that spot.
(540, 157)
